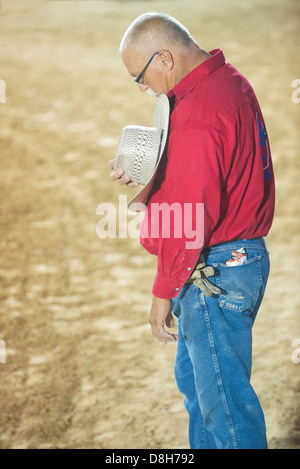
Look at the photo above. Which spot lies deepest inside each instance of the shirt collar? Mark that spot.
(186, 85)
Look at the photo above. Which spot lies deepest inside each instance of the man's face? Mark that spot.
(153, 80)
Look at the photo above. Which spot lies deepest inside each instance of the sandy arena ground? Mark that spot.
(82, 368)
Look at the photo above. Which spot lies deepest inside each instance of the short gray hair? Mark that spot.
(159, 26)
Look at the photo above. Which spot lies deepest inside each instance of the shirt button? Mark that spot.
(176, 289)
(189, 269)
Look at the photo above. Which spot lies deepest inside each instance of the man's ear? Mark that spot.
(167, 59)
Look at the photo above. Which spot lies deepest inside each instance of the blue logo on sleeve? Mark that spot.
(264, 148)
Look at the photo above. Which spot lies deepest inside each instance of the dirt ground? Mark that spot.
(82, 368)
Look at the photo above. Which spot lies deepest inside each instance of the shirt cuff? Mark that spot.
(167, 287)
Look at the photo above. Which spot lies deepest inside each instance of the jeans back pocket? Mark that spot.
(241, 285)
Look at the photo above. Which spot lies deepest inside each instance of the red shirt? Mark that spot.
(218, 159)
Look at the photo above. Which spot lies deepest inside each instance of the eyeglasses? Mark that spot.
(139, 78)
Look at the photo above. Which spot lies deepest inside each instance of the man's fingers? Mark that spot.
(122, 179)
(170, 321)
(162, 335)
(115, 175)
(165, 337)
(111, 163)
(119, 176)
(133, 184)
(160, 315)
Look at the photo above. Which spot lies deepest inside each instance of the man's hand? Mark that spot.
(159, 316)
(120, 176)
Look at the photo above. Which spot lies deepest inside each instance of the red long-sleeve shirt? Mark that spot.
(218, 155)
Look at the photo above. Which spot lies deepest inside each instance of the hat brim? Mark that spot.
(161, 120)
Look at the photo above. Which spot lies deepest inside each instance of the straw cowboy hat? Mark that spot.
(140, 151)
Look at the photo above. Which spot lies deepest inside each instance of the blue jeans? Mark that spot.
(214, 354)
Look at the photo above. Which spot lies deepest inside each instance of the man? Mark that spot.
(218, 155)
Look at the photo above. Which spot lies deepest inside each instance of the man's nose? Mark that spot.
(143, 88)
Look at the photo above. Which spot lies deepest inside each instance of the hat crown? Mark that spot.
(141, 149)
(138, 151)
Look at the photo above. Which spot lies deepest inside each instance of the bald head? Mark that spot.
(176, 53)
(156, 31)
